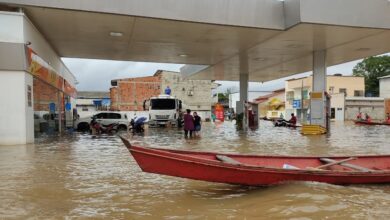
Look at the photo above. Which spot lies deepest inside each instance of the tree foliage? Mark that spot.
(223, 97)
(371, 69)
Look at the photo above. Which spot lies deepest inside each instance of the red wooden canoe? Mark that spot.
(370, 123)
(260, 170)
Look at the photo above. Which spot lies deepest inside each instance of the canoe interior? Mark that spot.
(370, 162)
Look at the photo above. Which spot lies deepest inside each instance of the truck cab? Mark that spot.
(164, 109)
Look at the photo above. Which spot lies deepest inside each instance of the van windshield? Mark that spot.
(162, 104)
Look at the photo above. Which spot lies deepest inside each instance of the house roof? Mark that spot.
(265, 98)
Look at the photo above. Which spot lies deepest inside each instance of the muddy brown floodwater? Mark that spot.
(77, 176)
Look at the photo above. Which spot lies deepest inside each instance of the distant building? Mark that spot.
(195, 94)
(384, 92)
(272, 105)
(384, 87)
(374, 106)
(298, 94)
(130, 94)
(252, 95)
(89, 102)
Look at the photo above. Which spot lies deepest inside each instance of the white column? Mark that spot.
(319, 70)
(16, 112)
(317, 103)
(243, 92)
(244, 78)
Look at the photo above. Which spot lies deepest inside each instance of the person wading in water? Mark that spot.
(188, 123)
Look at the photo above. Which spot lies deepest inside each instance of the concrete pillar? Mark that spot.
(243, 92)
(16, 112)
(318, 99)
(244, 79)
(319, 70)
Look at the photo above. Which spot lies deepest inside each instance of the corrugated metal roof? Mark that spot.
(93, 94)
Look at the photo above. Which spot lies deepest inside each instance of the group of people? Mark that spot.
(366, 118)
(192, 124)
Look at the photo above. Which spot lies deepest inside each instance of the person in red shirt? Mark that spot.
(359, 116)
(293, 119)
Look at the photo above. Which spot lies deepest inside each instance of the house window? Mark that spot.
(358, 93)
(331, 89)
(290, 96)
(343, 90)
(305, 94)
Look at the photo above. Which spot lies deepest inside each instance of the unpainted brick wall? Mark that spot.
(131, 93)
(43, 94)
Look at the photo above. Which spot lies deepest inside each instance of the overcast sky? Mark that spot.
(96, 75)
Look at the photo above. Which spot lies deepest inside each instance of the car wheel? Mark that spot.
(83, 127)
(122, 128)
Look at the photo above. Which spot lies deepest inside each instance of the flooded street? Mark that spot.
(83, 177)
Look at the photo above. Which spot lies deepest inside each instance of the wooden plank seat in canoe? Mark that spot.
(329, 163)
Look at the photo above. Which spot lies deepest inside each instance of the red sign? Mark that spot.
(219, 112)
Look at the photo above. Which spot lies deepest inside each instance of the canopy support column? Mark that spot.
(319, 103)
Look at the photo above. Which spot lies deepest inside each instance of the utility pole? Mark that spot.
(302, 115)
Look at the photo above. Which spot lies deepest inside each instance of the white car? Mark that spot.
(104, 118)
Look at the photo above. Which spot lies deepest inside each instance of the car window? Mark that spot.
(114, 116)
(101, 116)
(46, 117)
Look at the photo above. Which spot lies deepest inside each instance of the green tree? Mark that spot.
(371, 69)
(223, 97)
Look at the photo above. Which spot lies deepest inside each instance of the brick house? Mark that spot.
(129, 94)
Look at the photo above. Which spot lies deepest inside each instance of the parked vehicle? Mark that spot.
(99, 128)
(164, 109)
(105, 119)
(40, 121)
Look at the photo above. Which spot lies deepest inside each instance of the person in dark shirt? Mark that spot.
(197, 124)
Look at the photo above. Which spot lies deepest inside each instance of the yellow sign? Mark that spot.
(316, 95)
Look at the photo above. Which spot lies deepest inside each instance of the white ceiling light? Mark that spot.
(183, 55)
(294, 46)
(116, 34)
(363, 49)
(260, 59)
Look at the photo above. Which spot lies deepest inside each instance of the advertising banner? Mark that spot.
(42, 70)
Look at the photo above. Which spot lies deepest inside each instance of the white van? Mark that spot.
(164, 109)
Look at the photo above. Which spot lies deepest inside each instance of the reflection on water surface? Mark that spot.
(81, 176)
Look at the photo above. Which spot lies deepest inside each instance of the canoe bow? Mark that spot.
(126, 142)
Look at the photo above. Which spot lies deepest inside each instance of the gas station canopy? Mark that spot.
(218, 39)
